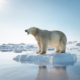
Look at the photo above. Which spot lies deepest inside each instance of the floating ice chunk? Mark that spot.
(50, 58)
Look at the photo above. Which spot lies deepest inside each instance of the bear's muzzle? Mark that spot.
(27, 31)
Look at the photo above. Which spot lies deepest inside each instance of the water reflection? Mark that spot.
(57, 73)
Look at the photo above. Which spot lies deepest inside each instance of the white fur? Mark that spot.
(46, 38)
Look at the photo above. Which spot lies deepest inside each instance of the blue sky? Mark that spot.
(18, 15)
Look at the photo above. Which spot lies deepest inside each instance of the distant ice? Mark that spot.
(78, 44)
(48, 58)
(72, 47)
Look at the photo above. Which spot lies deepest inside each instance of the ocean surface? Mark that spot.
(13, 70)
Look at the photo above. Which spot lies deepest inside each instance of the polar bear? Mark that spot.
(45, 38)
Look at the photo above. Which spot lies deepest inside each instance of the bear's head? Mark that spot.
(32, 30)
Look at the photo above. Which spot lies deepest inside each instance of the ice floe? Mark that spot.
(47, 58)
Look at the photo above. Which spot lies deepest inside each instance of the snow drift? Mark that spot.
(49, 58)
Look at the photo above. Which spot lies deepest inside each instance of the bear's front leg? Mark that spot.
(39, 48)
(44, 46)
(44, 52)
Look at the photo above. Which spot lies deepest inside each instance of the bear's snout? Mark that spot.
(25, 30)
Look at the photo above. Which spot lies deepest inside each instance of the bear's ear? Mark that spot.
(36, 30)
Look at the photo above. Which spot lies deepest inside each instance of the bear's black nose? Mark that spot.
(25, 30)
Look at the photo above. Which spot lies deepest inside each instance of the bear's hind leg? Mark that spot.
(57, 49)
(62, 48)
(62, 51)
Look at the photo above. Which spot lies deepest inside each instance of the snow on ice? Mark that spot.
(49, 58)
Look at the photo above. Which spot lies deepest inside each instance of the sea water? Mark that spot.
(14, 70)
